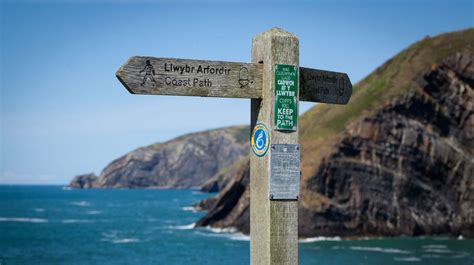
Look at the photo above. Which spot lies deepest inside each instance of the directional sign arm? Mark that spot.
(179, 77)
(324, 86)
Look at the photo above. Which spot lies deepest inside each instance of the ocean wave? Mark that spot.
(229, 232)
(434, 246)
(183, 227)
(81, 203)
(23, 220)
(437, 250)
(113, 237)
(378, 249)
(76, 221)
(125, 240)
(39, 210)
(407, 259)
(239, 237)
(93, 212)
(226, 230)
(319, 238)
(189, 209)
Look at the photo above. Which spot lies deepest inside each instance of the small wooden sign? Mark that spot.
(180, 77)
(324, 86)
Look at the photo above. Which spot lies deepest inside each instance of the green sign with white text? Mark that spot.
(286, 92)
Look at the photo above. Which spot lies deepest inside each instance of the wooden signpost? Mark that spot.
(178, 77)
(275, 84)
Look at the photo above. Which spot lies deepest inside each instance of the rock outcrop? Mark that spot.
(86, 181)
(398, 160)
(185, 162)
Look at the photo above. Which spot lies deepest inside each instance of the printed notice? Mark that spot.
(286, 93)
(284, 172)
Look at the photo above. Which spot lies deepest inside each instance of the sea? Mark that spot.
(57, 225)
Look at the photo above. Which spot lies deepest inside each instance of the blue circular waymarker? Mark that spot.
(260, 139)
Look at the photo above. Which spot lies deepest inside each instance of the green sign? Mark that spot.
(286, 92)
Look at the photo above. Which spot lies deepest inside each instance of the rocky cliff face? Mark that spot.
(220, 180)
(399, 161)
(231, 207)
(406, 170)
(185, 162)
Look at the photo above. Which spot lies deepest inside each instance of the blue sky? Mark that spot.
(64, 113)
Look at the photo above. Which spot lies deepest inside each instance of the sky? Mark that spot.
(64, 113)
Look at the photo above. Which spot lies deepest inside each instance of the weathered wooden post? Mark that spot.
(274, 201)
(275, 83)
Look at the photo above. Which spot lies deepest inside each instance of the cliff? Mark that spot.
(397, 160)
(185, 162)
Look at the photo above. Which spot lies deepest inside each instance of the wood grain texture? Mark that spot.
(180, 77)
(273, 224)
(324, 86)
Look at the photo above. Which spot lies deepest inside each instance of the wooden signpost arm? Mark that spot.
(273, 223)
(180, 77)
(324, 86)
